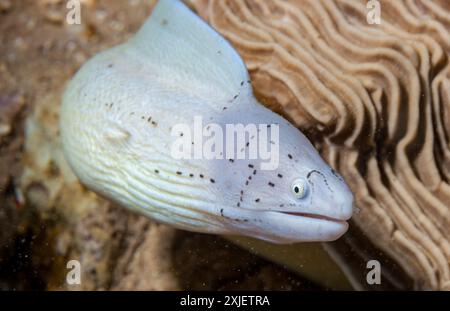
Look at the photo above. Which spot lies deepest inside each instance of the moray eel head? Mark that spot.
(118, 118)
(301, 199)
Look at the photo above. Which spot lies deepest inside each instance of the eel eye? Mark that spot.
(299, 188)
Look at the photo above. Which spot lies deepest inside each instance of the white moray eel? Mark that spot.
(117, 117)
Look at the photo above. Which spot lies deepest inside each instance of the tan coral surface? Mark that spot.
(375, 99)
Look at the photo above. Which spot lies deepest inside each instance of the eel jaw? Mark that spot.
(316, 216)
(286, 227)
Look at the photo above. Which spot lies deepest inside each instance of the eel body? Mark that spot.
(178, 81)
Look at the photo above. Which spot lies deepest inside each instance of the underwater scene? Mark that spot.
(225, 145)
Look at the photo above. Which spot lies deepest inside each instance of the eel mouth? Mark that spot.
(315, 216)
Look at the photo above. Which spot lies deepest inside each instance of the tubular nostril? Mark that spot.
(347, 211)
(346, 205)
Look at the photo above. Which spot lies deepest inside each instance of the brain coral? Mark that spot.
(374, 98)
